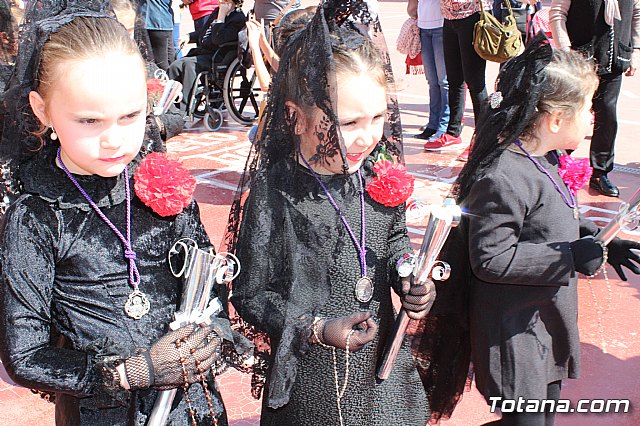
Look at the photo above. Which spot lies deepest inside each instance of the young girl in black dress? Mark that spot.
(526, 240)
(86, 293)
(319, 245)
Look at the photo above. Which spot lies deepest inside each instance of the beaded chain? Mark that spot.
(600, 310)
(186, 385)
(340, 392)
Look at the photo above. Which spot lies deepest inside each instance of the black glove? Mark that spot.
(417, 299)
(161, 366)
(334, 331)
(621, 254)
(587, 255)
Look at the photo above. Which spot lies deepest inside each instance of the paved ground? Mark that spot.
(608, 312)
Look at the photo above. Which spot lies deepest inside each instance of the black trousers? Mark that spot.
(463, 66)
(185, 70)
(532, 419)
(162, 45)
(605, 102)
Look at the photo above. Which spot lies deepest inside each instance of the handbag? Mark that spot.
(496, 41)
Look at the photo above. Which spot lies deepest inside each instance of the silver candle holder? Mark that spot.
(627, 219)
(441, 220)
(199, 269)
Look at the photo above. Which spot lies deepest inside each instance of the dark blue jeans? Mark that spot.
(436, 73)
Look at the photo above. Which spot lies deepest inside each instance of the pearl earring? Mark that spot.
(54, 135)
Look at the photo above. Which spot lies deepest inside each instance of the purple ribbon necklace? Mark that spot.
(364, 286)
(137, 303)
(571, 201)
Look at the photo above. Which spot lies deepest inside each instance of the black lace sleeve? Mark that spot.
(26, 290)
(189, 225)
(258, 292)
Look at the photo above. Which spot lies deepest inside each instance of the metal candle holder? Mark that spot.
(441, 220)
(199, 269)
(627, 219)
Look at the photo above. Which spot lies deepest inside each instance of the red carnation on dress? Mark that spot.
(164, 184)
(575, 172)
(155, 89)
(392, 185)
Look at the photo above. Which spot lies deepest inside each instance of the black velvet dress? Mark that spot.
(63, 288)
(298, 262)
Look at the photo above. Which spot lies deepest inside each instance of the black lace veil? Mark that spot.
(309, 52)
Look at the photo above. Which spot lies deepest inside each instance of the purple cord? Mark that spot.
(362, 250)
(572, 204)
(134, 275)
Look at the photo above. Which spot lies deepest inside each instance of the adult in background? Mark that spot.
(158, 21)
(222, 27)
(200, 10)
(463, 66)
(608, 31)
(430, 22)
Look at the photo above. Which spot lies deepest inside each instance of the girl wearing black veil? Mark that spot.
(86, 292)
(319, 246)
(526, 240)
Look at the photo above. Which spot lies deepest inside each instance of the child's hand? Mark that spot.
(621, 254)
(417, 299)
(161, 368)
(587, 254)
(334, 331)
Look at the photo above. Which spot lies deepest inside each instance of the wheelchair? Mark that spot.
(228, 85)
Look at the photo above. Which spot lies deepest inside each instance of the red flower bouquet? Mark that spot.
(392, 185)
(164, 184)
(575, 172)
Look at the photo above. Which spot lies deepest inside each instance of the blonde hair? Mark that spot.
(570, 79)
(82, 38)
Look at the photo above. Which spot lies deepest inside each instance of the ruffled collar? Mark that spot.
(42, 177)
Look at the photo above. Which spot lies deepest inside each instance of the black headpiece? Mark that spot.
(513, 105)
(17, 140)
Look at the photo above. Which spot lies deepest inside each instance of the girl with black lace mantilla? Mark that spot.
(86, 294)
(322, 231)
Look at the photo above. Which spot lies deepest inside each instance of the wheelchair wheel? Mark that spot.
(213, 120)
(242, 94)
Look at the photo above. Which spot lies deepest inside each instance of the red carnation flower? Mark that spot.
(575, 172)
(164, 184)
(392, 185)
(155, 89)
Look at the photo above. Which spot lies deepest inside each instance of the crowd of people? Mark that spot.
(92, 210)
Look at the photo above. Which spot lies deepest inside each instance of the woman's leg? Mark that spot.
(161, 42)
(455, 76)
(435, 101)
(473, 66)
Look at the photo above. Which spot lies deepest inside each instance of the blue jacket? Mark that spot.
(156, 14)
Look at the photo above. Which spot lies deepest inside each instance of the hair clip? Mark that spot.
(495, 99)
